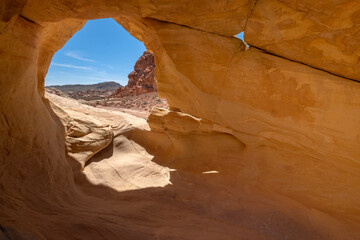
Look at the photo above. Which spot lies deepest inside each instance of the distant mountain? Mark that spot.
(103, 86)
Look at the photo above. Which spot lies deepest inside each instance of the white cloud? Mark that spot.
(78, 57)
(107, 66)
(70, 66)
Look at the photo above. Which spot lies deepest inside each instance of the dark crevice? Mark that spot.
(264, 51)
(29, 20)
(320, 69)
(249, 15)
(4, 231)
(185, 26)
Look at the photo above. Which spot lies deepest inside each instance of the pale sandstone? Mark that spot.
(85, 136)
(90, 130)
(263, 148)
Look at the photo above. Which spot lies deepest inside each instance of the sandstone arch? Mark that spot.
(288, 130)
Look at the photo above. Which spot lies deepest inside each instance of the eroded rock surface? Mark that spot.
(323, 35)
(261, 142)
(141, 80)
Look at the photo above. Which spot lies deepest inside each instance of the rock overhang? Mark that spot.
(294, 111)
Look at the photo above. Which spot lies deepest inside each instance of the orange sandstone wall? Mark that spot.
(290, 101)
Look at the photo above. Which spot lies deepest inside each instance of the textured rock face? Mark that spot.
(141, 80)
(324, 35)
(262, 142)
(85, 136)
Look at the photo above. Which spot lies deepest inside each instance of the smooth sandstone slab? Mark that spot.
(324, 35)
(165, 119)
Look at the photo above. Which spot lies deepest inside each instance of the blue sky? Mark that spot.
(101, 51)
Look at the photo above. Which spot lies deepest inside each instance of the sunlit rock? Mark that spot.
(255, 145)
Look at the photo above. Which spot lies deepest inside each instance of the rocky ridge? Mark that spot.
(141, 80)
(87, 95)
(102, 86)
(87, 92)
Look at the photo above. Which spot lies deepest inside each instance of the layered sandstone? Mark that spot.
(261, 142)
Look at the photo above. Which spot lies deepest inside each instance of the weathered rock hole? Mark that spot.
(242, 37)
(102, 65)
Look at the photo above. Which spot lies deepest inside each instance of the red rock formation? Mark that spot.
(141, 80)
